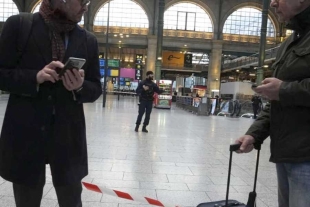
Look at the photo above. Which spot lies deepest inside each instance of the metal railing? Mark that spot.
(250, 60)
(195, 67)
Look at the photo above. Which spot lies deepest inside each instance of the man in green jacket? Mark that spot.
(286, 119)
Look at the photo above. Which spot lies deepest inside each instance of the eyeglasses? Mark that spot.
(84, 2)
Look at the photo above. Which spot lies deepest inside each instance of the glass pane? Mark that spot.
(36, 7)
(203, 20)
(7, 9)
(247, 21)
(191, 20)
(181, 20)
(123, 13)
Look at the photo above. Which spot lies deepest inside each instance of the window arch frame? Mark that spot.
(201, 5)
(271, 16)
(35, 6)
(145, 9)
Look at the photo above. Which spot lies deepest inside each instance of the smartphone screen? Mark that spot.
(72, 63)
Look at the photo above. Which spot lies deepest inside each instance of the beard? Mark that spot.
(60, 15)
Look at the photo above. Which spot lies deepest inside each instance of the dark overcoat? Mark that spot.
(46, 124)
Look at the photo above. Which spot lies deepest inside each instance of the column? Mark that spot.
(151, 53)
(262, 46)
(21, 5)
(87, 17)
(215, 65)
(160, 32)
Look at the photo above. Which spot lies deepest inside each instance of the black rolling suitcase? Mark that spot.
(234, 203)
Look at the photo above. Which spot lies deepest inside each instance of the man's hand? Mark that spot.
(73, 79)
(246, 142)
(270, 88)
(48, 73)
(146, 87)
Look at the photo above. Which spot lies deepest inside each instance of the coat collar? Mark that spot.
(43, 40)
(77, 37)
(301, 22)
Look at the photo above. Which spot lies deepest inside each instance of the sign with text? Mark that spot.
(112, 72)
(101, 62)
(113, 63)
(188, 60)
(138, 75)
(173, 59)
(139, 59)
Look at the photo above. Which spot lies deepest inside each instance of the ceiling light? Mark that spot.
(121, 34)
(185, 45)
(237, 70)
(127, 35)
(119, 41)
(115, 35)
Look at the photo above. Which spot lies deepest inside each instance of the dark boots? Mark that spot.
(144, 129)
(137, 128)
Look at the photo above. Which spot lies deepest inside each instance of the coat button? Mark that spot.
(49, 98)
(42, 128)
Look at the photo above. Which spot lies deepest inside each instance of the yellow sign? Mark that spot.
(114, 73)
(173, 59)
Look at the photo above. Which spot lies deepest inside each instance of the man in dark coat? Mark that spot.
(256, 104)
(286, 118)
(44, 121)
(146, 90)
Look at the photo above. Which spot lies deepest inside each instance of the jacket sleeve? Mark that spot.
(140, 88)
(260, 129)
(295, 93)
(156, 89)
(91, 88)
(14, 79)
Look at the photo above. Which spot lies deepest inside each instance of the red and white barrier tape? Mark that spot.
(119, 194)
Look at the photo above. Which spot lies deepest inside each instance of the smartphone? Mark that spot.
(254, 85)
(72, 63)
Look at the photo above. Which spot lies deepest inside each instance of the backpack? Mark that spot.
(25, 26)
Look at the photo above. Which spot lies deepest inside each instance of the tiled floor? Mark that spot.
(182, 161)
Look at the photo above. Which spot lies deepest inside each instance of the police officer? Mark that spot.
(146, 90)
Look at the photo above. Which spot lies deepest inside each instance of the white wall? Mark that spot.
(236, 87)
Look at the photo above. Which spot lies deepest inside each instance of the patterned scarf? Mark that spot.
(58, 25)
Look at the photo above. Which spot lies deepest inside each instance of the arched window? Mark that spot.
(7, 9)
(123, 13)
(37, 8)
(247, 21)
(187, 16)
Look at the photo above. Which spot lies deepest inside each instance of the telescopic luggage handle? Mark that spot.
(252, 195)
(236, 147)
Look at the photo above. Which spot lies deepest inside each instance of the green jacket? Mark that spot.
(287, 121)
